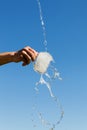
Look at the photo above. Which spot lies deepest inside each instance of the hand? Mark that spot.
(26, 55)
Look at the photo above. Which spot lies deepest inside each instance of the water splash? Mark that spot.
(42, 62)
(42, 66)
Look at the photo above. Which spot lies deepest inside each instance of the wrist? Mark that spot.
(12, 56)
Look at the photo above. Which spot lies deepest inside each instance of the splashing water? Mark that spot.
(42, 65)
(42, 62)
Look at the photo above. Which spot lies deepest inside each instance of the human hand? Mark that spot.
(26, 55)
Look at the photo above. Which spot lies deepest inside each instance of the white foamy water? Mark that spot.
(42, 62)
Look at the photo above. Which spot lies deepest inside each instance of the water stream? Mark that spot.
(43, 25)
(44, 66)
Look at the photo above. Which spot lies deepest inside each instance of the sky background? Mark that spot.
(66, 28)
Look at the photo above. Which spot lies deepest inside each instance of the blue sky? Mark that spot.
(66, 28)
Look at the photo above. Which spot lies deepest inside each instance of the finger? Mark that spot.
(32, 50)
(32, 54)
(26, 58)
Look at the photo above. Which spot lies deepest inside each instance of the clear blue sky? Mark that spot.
(66, 27)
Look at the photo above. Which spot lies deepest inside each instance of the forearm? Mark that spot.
(6, 57)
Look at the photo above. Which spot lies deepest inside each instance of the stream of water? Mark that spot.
(42, 65)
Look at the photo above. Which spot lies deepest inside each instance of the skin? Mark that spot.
(25, 55)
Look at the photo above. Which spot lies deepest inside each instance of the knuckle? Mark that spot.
(26, 47)
(23, 52)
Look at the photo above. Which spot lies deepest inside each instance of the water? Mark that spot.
(43, 25)
(42, 62)
(43, 65)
